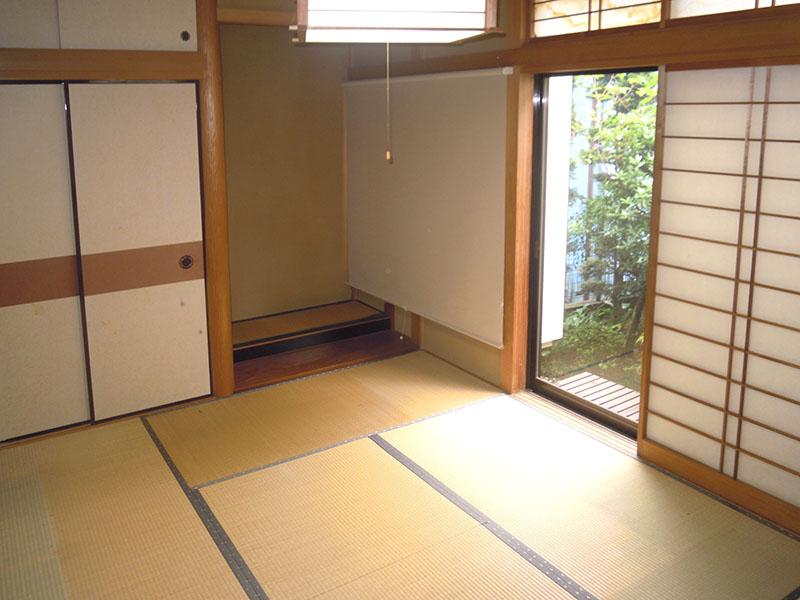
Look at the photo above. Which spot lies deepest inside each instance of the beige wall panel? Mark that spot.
(136, 165)
(427, 232)
(149, 357)
(482, 360)
(284, 155)
(35, 194)
(128, 24)
(468, 353)
(42, 372)
(28, 24)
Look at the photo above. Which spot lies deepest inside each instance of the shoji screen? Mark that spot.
(42, 372)
(556, 17)
(725, 364)
(137, 182)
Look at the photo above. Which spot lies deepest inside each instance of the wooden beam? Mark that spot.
(754, 37)
(107, 65)
(266, 18)
(215, 202)
(443, 64)
(774, 509)
(742, 38)
(519, 151)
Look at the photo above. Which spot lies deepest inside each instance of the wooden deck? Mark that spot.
(612, 396)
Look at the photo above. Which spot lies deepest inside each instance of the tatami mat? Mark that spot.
(97, 514)
(217, 439)
(616, 526)
(352, 522)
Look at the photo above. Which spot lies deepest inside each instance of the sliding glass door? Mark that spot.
(592, 196)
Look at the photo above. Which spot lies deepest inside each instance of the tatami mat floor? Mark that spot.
(284, 493)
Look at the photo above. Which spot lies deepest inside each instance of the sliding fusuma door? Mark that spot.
(724, 360)
(42, 370)
(137, 185)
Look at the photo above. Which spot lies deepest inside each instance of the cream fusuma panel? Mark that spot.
(42, 372)
(128, 24)
(136, 165)
(37, 218)
(29, 24)
(139, 211)
(147, 347)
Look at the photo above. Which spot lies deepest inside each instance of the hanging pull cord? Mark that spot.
(389, 157)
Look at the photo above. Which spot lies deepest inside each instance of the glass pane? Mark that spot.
(598, 173)
(691, 8)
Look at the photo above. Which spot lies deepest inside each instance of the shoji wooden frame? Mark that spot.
(203, 66)
(594, 15)
(722, 473)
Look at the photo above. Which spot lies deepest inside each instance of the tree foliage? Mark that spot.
(613, 227)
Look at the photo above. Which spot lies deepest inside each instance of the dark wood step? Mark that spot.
(311, 337)
(284, 366)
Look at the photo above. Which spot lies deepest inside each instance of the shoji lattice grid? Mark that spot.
(556, 17)
(725, 365)
(691, 8)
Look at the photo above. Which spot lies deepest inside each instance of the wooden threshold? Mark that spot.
(275, 368)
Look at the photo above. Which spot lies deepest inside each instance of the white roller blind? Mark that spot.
(427, 232)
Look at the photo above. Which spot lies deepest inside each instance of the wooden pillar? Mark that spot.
(215, 196)
(519, 149)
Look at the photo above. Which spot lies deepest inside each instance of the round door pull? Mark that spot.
(185, 35)
(186, 262)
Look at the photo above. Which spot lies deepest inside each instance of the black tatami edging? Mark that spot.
(531, 556)
(238, 566)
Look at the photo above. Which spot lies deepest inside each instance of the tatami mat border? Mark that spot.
(341, 443)
(531, 556)
(238, 566)
(575, 422)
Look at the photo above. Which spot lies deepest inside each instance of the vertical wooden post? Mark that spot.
(519, 150)
(215, 194)
(416, 329)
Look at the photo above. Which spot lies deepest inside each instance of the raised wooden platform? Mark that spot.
(611, 396)
(293, 330)
(275, 368)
